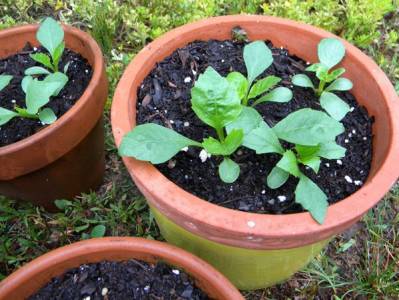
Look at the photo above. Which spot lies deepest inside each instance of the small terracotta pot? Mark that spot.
(208, 229)
(34, 275)
(67, 157)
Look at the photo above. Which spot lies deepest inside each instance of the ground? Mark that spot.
(361, 263)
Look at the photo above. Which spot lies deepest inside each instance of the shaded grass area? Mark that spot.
(362, 263)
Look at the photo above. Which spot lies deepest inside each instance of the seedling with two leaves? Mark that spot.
(313, 135)
(38, 94)
(330, 52)
(51, 36)
(257, 58)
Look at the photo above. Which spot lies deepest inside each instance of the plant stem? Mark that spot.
(321, 87)
(220, 133)
(24, 114)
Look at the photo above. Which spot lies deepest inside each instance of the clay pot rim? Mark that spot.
(108, 248)
(291, 230)
(97, 68)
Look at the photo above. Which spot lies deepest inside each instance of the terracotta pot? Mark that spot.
(34, 275)
(255, 250)
(67, 157)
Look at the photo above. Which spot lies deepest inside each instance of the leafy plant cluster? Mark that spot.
(227, 105)
(38, 92)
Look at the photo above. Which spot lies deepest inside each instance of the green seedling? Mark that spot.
(38, 94)
(330, 52)
(51, 37)
(313, 135)
(257, 58)
(216, 102)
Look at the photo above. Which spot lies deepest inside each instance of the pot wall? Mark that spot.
(34, 275)
(65, 158)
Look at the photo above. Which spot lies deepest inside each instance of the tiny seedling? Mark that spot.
(257, 58)
(330, 52)
(216, 102)
(313, 135)
(51, 37)
(38, 94)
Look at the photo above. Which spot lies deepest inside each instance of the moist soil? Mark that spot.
(130, 279)
(79, 74)
(164, 98)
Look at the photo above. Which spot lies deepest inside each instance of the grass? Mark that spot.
(361, 263)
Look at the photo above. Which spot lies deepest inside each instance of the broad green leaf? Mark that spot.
(302, 80)
(229, 170)
(36, 71)
(214, 100)
(50, 35)
(57, 55)
(307, 151)
(248, 120)
(25, 82)
(263, 140)
(239, 82)
(323, 75)
(331, 150)
(312, 162)
(276, 178)
(58, 77)
(334, 106)
(279, 94)
(62, 204)
(258, 58)
(289, 163)
(42, 58)
(98, 231)
(312, 198)
(330, 51)
(38, 94)
(340, 84)
(263, 85)
(316, 67)
(227, 147)
(154, 143)
(308, 127)
(4, 81)
(6, 115)
(47, 116)
(335, 74)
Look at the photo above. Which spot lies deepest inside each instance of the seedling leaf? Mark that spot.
(248, 120)
(229, 170)
(25, 82)
(36, 71)
(4, 81)
(308, 127)
(334, 106)
(302, 80)
(6, 115)
(277, 178)
(312, 162)
(263, 140)
(258, 58)
(59, 78)
(312, 198)
(330, 51)
(38, 94)
(47, 116)
(279, 94)
(289, 163)
(340, 84)
(226, 147)
(239, 82)
(50, 35)
(331, 150)
(154, 143)
(263, 85)
(43, 59)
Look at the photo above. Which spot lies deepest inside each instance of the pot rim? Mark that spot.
(98, 68)
(116, 249)
(244, 229)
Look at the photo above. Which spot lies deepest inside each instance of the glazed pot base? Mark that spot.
(164, 98)
(130, 279)
(79, 74)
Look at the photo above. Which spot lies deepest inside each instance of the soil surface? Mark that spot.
(164, 98)
(79, 74)
(121, 280)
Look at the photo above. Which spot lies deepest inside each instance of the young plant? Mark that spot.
(257, 58)
(51, 37)
(216, 102)
(38, 94)
(313, 135)
(330, 52)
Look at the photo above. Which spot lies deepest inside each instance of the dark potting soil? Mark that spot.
(79, 74)
(164, 98)
(121, 280)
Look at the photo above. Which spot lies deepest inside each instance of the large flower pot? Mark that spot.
(258, 250)
(34, 275)
(67, 157)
